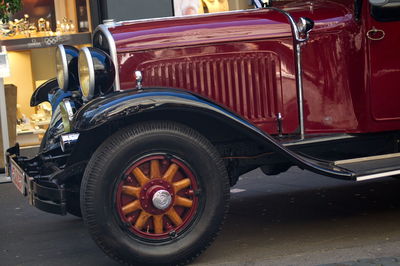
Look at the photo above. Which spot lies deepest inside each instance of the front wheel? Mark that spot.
(155, 194)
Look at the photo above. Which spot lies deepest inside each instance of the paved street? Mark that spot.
(296, 218)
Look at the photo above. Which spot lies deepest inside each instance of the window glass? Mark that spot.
(31, 38)
(389, 12)
(44, 18)
(191, 7)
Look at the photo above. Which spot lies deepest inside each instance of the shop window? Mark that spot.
(387, 13)
(31, 38)
(41, 18)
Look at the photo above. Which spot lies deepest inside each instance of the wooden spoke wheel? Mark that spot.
(157, 197)
(155, 193)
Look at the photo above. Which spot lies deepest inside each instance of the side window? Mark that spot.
(389, 12)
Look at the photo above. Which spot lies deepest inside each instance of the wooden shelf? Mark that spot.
(48, 41)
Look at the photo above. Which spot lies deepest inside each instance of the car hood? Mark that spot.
(225, 27)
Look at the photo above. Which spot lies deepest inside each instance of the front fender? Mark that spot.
(44, 92)
(121, 105)
(129, 103)
(50, 92)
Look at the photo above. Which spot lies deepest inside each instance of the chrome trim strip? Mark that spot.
(92, 84)
(317, 140)
(298, 40)
(366, 159)
(65, 66)
(374, 176)
(299, 79)
(113, 51)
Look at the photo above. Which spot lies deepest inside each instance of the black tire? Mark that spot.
(107, 167)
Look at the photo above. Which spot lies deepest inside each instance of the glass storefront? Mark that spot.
(31, 38)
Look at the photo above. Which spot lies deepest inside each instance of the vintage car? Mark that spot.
(154, 123)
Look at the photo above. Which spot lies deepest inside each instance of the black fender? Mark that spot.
(41, 94)
(131, 103)
(50, 92)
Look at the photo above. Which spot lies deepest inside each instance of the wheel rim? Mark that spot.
(156, 198)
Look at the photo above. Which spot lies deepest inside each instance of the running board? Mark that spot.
(372, 167)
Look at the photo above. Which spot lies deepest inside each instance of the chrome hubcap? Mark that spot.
(162, 199)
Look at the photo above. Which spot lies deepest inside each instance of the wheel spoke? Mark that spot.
(174, 216)
(131, 207)
(181, 201)
(155, 169)
(170, 173)
(142, 219)
(181, 184)
(130, 190)
(173, 181)
(158, 224)
(140, 177)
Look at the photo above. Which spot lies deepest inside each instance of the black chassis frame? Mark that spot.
(52, 174)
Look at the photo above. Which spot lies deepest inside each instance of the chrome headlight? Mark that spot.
(66, 68)
(67, 113)
(96, 72)
(86, 73)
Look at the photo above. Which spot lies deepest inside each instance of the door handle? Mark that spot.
(375, 34)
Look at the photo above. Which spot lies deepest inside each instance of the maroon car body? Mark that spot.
(245, 61)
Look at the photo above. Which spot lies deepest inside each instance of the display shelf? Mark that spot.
(42, 123)
(48, 41)
(31, 131)
(30, 137)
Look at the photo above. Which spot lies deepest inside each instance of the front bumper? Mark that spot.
(42, 191)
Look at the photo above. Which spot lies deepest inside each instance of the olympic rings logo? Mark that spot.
(51, 40)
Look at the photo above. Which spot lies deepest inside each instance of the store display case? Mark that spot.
(47, 23)
(31, 35)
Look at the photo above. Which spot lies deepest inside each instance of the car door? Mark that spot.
(383, 40)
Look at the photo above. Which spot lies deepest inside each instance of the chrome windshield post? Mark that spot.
(113, 49)
(300, 32)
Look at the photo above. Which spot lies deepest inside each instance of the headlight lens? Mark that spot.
(66, 66)
(96, 72)
(67, 113)
(61, 67)
(86, 74)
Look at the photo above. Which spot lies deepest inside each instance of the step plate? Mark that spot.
(370, 158)
(385, 174)
(373, 166)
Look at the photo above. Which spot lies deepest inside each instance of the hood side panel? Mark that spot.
(246, 77)
(245, 61)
